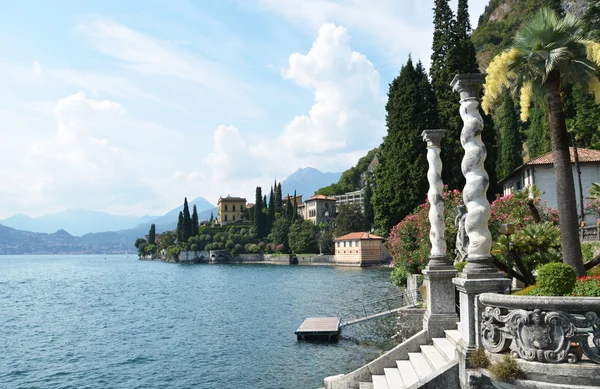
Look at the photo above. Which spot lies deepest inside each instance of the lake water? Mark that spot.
(117, 322)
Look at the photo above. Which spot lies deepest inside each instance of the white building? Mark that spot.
(540, 171)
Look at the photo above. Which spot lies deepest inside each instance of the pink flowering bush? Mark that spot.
(593, 207)
(408, 241)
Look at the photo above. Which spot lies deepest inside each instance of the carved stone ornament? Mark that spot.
(540, 336)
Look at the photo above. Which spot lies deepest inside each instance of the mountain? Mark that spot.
(79, 222)
(305, 181)
(75, 221)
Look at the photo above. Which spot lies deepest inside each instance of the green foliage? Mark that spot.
(349, 219)
(479, 359)
(538, 134)
(369, 212)
(401, 175)
(531, 290)
(138, 242)
(590, 21)
(587, 118)
(270, 212)
(351, 179)
(556, 279)
(588, 249)
(187, 222)
(506, 370)
(302, 237)
(409, 242)
(399, 275)
(279, 232)
(588, 286)
(260, 218)
(152, 234)
(459, 266)
(180, 228)
(253, 249)
(511, 144)
(325, 239)
(194, 230)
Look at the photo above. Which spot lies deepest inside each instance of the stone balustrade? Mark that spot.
(541, 329)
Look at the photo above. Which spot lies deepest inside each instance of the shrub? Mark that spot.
(531, 290)
(459, 266)
(588, 286)
(253, 249)
(479, 359)
(556, 279)
(506, 370)
(399, 275)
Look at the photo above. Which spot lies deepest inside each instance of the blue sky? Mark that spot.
(128, 106)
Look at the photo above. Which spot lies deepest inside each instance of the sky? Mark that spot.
(129, 106)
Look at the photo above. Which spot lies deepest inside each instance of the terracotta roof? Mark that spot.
(585, 156)
(358, 235)
(320, 197)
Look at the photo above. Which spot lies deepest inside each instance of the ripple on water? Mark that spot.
(87, 322)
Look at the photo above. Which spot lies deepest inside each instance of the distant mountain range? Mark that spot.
(79, 231)
(305, 181)
(79, 222)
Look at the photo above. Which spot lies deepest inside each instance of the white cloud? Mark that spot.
(396, 27)
(344, 121)
(37, 69)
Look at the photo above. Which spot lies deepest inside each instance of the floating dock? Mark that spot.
(319, 328)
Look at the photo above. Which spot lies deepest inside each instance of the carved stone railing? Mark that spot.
(589, 233)
(542, 329)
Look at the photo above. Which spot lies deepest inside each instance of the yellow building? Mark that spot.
(359, 249)
(230, 209)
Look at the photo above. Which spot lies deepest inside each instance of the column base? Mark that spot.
(441, 313)
(436, 324)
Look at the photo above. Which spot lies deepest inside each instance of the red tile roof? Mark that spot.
(585, 156)
(358, 235)
(320, 197)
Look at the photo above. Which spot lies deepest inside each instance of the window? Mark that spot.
(326, 205)
(241, 208)
(225, 207)
(233, 209)
(233, 218)
(356, 243)
(225, 217)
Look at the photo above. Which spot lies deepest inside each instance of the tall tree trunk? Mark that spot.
(563, 175)
(577, 166)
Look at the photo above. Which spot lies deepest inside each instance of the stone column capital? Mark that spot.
(468, 85)
(433, 137)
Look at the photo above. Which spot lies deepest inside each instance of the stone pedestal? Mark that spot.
(441, 314)
(480, 274)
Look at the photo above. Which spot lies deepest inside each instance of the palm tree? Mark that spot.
(594, 191)
(548, 52)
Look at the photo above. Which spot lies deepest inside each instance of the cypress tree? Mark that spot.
(295, 215)
(179, 230)
(590, 21)
(271, 212)
(194, 221)
(587, 118)
(279, 200)
(212, 217)
(511, 145)
(152, 234)
(259, 215)
(401, 175)
(538, 135)
(289, 209)
(187, 221)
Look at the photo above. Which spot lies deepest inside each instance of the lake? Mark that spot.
(117, 322)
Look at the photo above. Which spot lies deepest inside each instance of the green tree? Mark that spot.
(279, 200)
(401, 175)
(279, 233)
(511, 145)
(271, 212)
(549, 51)
(180, 228)
(350, 218)
(167, 239)
(152, 234)
(325, 239)
(538, 136)
(259, 215)
(289, 209)
(138, 242)
(295, 214)
(187, 221)
(368, 205)
(590, 22)
(303, 237)
(212, 218)
(587, 118)
(195, 221)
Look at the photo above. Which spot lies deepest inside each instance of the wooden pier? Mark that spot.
(319, 328)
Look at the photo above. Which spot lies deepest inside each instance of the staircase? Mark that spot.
(421, 367)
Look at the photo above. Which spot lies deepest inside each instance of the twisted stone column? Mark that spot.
(479, 275)
(440, 313)
(479, 258)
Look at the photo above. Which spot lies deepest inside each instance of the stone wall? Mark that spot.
(193, 256)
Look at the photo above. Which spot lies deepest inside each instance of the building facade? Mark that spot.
(355, 197)
(319, 209)
(230, 209)
(359, 249)
(540, 172)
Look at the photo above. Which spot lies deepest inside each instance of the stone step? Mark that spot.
(434, 357)
(365, 385)
(420, 364)
(446, 347)
(394, 380)
(453, 336)
(380, 382)
(407, 372)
